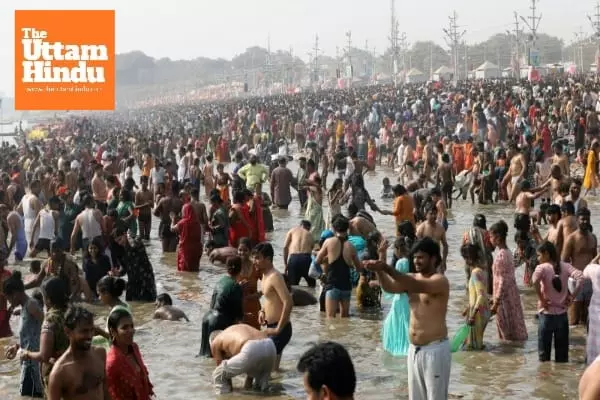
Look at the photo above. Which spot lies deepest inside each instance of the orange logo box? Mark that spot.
(65, 59)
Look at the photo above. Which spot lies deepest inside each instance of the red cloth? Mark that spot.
(190, 240)
(123, 380)
(237, 229)
(258, 234)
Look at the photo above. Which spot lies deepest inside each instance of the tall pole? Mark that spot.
(394, 42)
(453, 38)
(348, 50)
(533, 23)
(596, 25)
(316, 58)
(403, 50)
(517, 48)
(466, 60)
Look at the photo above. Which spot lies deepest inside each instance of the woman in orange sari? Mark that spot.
(458, 157)
(248, 280)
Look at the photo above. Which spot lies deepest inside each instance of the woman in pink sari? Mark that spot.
(189, 250)
(506, 303)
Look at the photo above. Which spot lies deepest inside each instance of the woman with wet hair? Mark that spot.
(127, 377)
(506, 303)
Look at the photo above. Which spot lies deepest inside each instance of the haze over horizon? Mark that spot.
(226, 28)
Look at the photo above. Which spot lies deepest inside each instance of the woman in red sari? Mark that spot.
(256, 212)
(190, 246)
(239, 219)
(126, 375)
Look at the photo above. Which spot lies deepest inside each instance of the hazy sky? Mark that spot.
(223, 28)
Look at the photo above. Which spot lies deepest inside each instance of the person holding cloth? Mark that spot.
(429, 359)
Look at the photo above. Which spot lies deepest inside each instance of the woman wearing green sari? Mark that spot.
(314, 208)
(126, 212)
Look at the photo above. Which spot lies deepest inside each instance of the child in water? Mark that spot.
(386, 190)
(165, 309)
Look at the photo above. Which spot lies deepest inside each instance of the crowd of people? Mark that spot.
(88, 197)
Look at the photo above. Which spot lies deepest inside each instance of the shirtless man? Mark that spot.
(438, 201)
(99, 189)
(516, 172)
(555, 234)
(434, 230)
(278, 302)
(165, 309)
(575, 195)
(568, 222)
(166, 205)
(361, 226)
(199, 208)
(220, 254)
(560, 159)
(445, 179)
(241, 349)
(297, 254)
(429, 358)
(579, 250)
(523, 205)
(553, 182)
(18, 241)
(408, 161)
(79, 373)
(144, 202)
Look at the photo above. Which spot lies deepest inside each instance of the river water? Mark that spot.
(501, 372)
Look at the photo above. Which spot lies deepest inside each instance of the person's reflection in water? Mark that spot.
(226, 305)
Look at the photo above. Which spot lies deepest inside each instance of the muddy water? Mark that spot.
(502, 372)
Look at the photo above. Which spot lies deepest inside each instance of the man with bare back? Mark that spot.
(560, 158)
(79, 373)
(554, 234)
(434, 230)
(568, 223)
(297, 254)
(580, 248)
(278, 302)
(166, 205)
(429, 359)
(18, 241)
(241, 349)
(523, 205)
(516, 172)
(553, 182)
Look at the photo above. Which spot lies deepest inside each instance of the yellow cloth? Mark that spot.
(589, 181)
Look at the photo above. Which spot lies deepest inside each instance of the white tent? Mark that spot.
(487, 70)
(414, 76)
(442, 73)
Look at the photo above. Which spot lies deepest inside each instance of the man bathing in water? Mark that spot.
(429, 358)
(241, 349)
(79, 373)
(297, 254)
(580, 248)
(516, 172)
(278, 302)
(432, 229)
(524, 204)
(165, 309)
